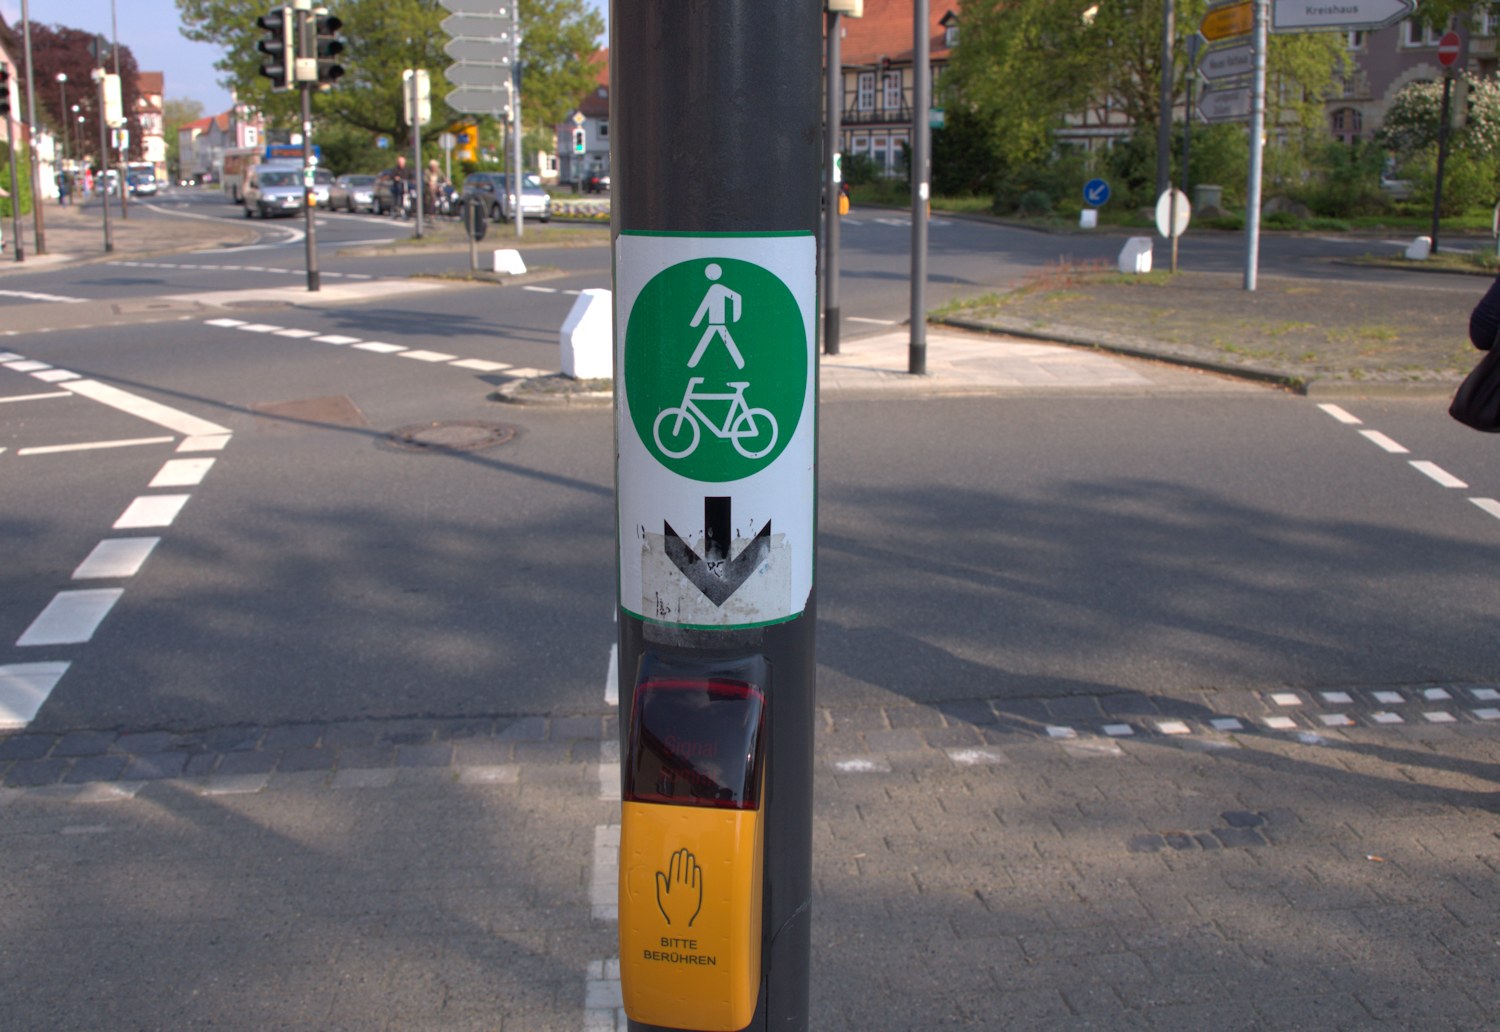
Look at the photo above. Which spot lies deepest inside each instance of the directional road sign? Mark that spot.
(1337, 15)
(1227, 21)
(1224, 105)
(482, 76)
(480, 101)
(1226, 62)
(1095, 193)
(479, 51)
(488, 7)
(477, 26)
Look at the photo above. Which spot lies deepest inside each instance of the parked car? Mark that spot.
(141, 185)
(352, 193)
(385, 195)
(273, 189)
(596, 181)
(492, 188)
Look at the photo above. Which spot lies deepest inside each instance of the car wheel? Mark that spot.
(496, 215)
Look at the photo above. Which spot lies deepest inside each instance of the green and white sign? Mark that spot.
(714, 338)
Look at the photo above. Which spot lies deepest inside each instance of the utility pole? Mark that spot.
(114, 30)
(716, 129)
(36, 170)
(921, 135)
(99, 77)
(518, 170)
(833, 64)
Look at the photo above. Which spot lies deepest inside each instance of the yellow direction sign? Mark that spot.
(1231, 20)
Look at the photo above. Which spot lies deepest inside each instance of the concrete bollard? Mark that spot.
(1088, 218)
(1420, 249)
(588, 350)
(1135, 256)
(509, 261)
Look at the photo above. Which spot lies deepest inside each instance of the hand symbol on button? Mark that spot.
(679, 889)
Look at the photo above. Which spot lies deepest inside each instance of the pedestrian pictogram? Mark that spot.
(715, 349)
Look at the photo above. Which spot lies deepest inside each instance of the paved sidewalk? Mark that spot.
(75, 233)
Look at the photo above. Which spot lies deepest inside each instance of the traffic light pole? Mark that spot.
(36, 189)
(309, 172)
(109, 240)
(832, 188)
(717, 139)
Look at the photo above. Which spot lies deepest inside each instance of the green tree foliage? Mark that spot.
(21, 193)
(382, 38)
(1471, 173)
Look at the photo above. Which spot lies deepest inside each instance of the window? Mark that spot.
(1486, 20)
(880, 150)
(1417, 35)
(891, 94)
(866, 92)
(603, 130)
(1356, 39)
(950, 37)
(1347, 123)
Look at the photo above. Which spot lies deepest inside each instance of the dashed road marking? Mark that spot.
(114, 558)
(1382, 441)
(1441, 476)
(151, 511)
(23, 689)
(71, 618)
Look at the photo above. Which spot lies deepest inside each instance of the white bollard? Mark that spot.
(1420, 249)
(509, 261)
(1135, 256)
(587, 334)
(1088, 218)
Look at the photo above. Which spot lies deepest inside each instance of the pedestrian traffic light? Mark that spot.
(323, 44)
(579, 142)
(4, 91)
(277, 46)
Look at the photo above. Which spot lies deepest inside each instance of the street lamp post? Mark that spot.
(36, 167)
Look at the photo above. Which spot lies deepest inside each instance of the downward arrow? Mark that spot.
(714, 573)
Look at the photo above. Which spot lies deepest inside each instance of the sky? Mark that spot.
(150, 29)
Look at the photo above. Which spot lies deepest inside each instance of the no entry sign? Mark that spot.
(1448, 48)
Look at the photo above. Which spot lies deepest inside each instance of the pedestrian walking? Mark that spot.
(433, 182)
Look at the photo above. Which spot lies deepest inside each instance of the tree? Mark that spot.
(176, 113)
(383, 37)
(58, 49)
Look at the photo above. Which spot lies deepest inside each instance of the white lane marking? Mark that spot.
(151, 511)
(524, 374)
(334, 338)
(1489, 505)
(428, 356)
(1437, 473)
(481, 365)
(23, 689)
(10, 356)
(36, 397)
(379, 347)
(211, 442)
(258, 328)
(299, 334)
(27, 365)
(53, 449)
(226, 323)
(182, 473)
(143, 408)
(541, 290)
(1337, 412)
(29, 295)
(612, 677)
(55, 375)
(873, 322)
(1381, 440)
(116, 557)
(71, 617)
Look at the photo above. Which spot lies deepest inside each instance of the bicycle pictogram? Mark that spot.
(752, 431)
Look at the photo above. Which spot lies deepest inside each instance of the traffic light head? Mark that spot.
(580, 142)
(327, 45)
(277, 46)
(4, 91)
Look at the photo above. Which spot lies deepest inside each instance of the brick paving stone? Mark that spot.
(84, 743)
(351, 733)
(293, 736)
(96, 768)
(259, 762)
(305, 759)
(233, 739)
(366, 757)
(976, 712)
(857, 718)
(1075, 708)
(906, 740)
(526, 729)
(155, 766)
(430, 755)
(200, 764)
(569, 728)
(26, 747)
(913, 716)
(32, 773)
(144, 743)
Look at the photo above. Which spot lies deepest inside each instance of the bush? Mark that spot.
(1281, 220)
(1468, 182)
(23, 181)
(859, 169)
(1034, 202)
(1347, 181)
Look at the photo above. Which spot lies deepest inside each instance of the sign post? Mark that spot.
(1448, 50)
(714, 229)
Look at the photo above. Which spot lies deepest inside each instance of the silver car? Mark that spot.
(493, 189)
(273, 190)
(352, 193)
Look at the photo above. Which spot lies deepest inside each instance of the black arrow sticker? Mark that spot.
(715, 573)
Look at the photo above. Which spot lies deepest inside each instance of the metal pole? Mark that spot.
(15, 190)
(1257, 146)
(921, 134)
(1194, 41)
(832, 182)
(36, 168)
(1164, 117)
(1437, 189)
(518, 170)
(309, 171)
(715, 127)
(418, 176)
(109, 240)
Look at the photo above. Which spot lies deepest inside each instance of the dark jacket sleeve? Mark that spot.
(1484, 321)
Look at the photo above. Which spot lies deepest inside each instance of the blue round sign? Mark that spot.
(1095, 192)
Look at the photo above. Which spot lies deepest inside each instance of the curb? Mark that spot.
(525, 392)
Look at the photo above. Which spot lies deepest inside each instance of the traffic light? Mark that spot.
(277, 46)
(322, 44)
(4, 91)
(579, 142)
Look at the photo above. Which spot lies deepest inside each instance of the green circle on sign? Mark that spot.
(715, 368)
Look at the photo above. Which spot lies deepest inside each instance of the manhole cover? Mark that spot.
(462, 435)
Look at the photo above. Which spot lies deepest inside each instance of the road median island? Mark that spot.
(75, 233)
(1312, 335)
